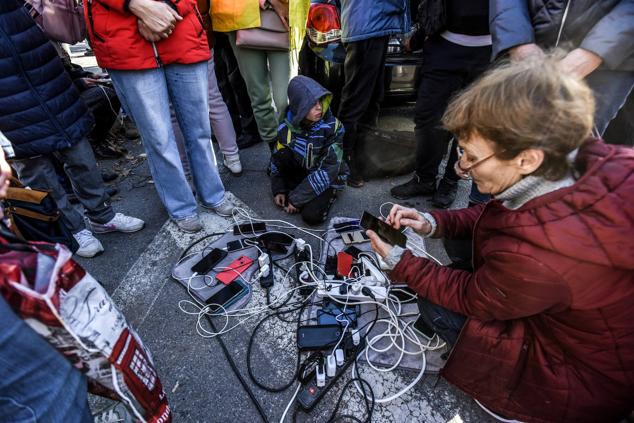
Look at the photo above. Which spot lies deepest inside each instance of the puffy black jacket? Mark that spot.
(40, 108)
(604, 27)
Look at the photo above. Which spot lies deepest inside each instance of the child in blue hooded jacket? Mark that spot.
(307, 166)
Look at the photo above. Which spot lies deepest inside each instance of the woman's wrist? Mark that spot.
(432, 223)
(393, 257)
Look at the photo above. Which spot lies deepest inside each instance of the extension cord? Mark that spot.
(373, 272)
(301, 258)
(352, 293)
(310, 394)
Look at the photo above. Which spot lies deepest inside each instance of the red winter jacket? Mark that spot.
(550, 305)
(117, 44)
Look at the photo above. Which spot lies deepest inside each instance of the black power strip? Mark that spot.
(310, 394)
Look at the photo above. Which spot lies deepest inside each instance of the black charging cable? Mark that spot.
(369, 402)
(260, 384)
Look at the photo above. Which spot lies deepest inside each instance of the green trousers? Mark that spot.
(266, 74)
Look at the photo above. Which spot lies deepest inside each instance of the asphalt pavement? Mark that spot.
(201, 386)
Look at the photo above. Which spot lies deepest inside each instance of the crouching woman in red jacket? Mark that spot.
(543, 328)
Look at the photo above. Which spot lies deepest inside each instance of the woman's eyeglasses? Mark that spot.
(465, 172)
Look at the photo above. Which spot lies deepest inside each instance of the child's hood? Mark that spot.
(303, 93)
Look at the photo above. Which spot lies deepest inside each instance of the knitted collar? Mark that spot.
(532, 187)
(529, 188)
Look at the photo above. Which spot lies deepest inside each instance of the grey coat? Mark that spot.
(604, 27)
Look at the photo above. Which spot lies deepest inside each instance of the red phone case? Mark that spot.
(234, 270)
(344, 264)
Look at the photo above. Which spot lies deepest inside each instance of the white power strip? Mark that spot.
(352, 292)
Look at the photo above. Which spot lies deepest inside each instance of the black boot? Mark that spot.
(355, 179)
(247, 139)
(413, 188)
(445, 194)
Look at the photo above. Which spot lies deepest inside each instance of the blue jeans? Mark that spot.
(146, 95)
(611, 89)
(446, 323)
(37, 384)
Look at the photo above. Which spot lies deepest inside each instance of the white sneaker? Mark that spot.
(232, 162)
(190, 225)
(119, 223)
(225, 209)
(89, 246)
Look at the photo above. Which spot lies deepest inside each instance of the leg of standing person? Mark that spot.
(254, 68)
(180, 144)
(234, 92)
(221, 124)
(363, 69)
(188, 90)
(81, 167)
(104, 105)
(611, 89)
(434, 91)
(280, 72)
(145, 96)
(37, 383)
(39, 173)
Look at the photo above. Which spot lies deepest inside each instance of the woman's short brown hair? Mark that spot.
(526, 104)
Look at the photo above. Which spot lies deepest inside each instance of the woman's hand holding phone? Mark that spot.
(404, 216)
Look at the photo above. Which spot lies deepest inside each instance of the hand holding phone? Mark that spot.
(404, 216)
(383, 230)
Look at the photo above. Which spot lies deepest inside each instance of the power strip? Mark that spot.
(310, 394)
(351, 291)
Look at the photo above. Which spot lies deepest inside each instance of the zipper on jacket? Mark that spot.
(156, 55)
(200, 19)
(92, 22)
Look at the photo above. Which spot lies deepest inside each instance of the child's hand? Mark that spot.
(290, 209)
(280, 200)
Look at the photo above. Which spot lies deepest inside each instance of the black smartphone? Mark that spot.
(227, 295)
(353, 251)
(277, 242)
(349, 226)
(241, 244)
(249, 228)
(382, 229)
(208, 261)
(318, 337)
